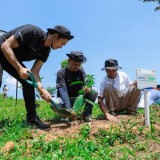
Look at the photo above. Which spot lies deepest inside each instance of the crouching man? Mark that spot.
(118, 91)
(72, 73)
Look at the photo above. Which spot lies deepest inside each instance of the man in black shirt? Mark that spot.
(72, 73)
(26, 43)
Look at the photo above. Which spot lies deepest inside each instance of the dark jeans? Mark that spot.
(88, 107)
(28, 90)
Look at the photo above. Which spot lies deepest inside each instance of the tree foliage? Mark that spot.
(158, 2)
(64, 63)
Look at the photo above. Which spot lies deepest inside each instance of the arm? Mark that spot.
(128, 81)
(134, 84)
(35, 70)
(62, 88)
(86, 89)
(64, 95)
(104, 110)
(7, 49)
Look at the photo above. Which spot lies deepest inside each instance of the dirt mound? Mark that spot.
(71, 129)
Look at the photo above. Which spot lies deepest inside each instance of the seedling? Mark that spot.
(79, 103)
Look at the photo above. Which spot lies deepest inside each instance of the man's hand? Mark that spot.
(45, 94)
(134, 84)
(86, 89)
(23, 73)
(110, 117)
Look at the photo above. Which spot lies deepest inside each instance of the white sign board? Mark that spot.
(146, 78)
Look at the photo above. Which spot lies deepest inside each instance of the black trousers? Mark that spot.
(28, 90)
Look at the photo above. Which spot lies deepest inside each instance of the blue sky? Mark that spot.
(127, 30)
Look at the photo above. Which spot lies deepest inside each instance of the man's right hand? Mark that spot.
(110, 117)
(23, 73)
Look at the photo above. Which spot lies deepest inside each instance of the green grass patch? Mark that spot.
(127, 140)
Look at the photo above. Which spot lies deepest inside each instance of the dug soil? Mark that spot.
(72, 129)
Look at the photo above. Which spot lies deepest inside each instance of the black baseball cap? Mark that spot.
(111, 64)
(77, 56)
(62, 30)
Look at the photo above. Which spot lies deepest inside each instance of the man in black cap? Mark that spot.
(119, 92)
(26, 43)
(72, 73)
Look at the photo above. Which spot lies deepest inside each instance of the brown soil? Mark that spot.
(8, 147)
(71, 129)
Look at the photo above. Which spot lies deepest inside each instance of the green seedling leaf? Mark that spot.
(77, 82)
(90, 102)
(89, 81)
(78, 103)
(80, 92)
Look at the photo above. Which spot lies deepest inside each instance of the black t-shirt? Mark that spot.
(30, 39)
(66, 77)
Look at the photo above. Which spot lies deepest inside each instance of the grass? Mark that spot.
(128, 140)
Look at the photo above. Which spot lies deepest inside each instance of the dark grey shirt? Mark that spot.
(66, 77)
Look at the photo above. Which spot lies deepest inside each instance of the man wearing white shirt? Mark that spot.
(118, 91)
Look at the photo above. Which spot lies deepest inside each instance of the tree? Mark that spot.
(158, 1)
(64, 63)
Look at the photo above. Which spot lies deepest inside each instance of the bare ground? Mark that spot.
(71, 129)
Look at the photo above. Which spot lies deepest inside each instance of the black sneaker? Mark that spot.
(37, 122)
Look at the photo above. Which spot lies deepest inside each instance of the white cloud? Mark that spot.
(10, 81)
